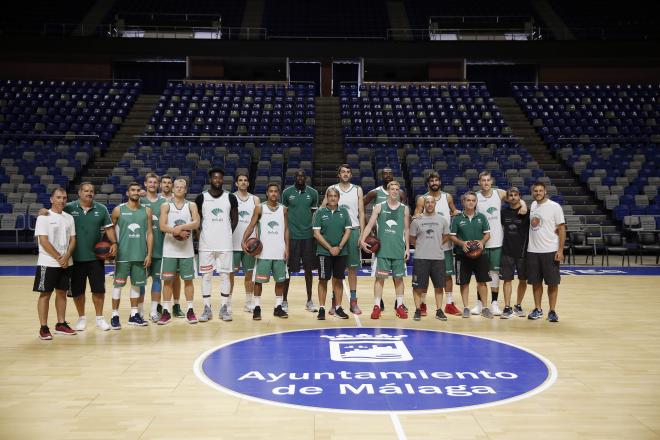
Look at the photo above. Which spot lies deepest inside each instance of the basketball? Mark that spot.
(183, 237)
(373, 242)
(254, 246)
(102, 249)
(474, 251)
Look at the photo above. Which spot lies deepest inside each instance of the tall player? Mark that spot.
(444, 205)
(273, 232)
(246, 205)
(218, 212)
(154, 201)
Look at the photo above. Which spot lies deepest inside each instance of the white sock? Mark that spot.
(423, 298)
(190, 305)
(134, 311)
(176, 301)
(167, 305)
(450, 298)
(278, 301)
(399, 299)
(223, 299)
(257, 300)
(207, 301)
(140, 308)
(115, 312)
(154, 307)
(377, 302)
(99, 318)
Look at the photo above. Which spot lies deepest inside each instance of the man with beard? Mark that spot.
(514, 250)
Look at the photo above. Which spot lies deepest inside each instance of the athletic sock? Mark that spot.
(450, 298)
(278, 301)
(353, 294)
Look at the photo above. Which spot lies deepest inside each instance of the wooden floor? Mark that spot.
(138, 383)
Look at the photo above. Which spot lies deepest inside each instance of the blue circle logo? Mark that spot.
(375, 370)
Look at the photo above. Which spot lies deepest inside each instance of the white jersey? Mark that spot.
(271, 232)
(59, 227)
(173, 248)
(442, 208)
(491, 207)
(216, 232)
(543, 222)
(349, 201)
(245, 211)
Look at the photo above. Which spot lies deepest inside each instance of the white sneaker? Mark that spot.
(102, 325)
(311, 307)
(285, 306)
(476, 310)
(81, 324)
(495, 308)
(248, 307)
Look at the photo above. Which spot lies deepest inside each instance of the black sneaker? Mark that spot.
(256, 313)
(279, 312)
(339, 312)
(552, 316)
(114, 323)
(159, 309)
(321, 315)
(439, 314)
(177, 312)
(518, 311)
(507, 313)
(418, 315)
(137, 320)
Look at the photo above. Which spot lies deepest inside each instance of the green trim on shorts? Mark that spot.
(396, 267)
(354, 259)
(134, 269)
(494, 258)
(185, 267)
(244, 260)
(449, 262)
(264, 267)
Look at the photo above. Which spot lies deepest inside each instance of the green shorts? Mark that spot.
(134, 269)
(245, 260)
(185, 267)
(494, 256)
(354, 259)
(390, 266)
(449, 262)
(263, 269)
(154, 269)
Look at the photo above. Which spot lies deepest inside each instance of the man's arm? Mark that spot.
(561, 232)
(368, 228)
(403, 197)
(419, 206)
(406, 231)
(413, 232)
(286, 233)
(452, 207)
(233, 212)
(150, 238)
(199, 201)
(360, 207)
(162, 219)
(371, 195)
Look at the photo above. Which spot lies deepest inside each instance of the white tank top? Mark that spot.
(491, 207)
(216, 232)
(442, 208)
(173, 248)
(349, 200)
(245, 211)
(271, 232)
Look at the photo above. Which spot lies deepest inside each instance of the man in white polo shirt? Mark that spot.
(547, 233)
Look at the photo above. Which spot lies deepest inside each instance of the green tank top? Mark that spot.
(382, 195)
(390, 231)
(132, 229)
(155, 227)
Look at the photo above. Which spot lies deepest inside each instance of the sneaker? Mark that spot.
(159, 309)
(518, 311)
(466, 312)
(382, 305)
(486, 313)
(451, 309)
(225, 313)
(256, 313)
(396, 306)
(418, 315)
(155, 317)
(440, 315)
(177, 312)
(285, 306)
(248, 307)
(476, 310)
(375, 313)
(321, 315)
(44, 333)
(81, 324)
(339, 312)
(190, 317)
(280, 312)
(207, 314)
(311, 307)
(354, 308)
(165, 318)
(102, 324)
(422, 309)
(402, 312)
(495, 308)
(536, 314)
(507, 313)
(63, 328)
(137, 320)
(114, 323)
(552, 316)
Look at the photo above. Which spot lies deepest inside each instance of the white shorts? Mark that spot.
(220, 261)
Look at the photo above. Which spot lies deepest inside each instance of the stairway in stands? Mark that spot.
(328, 143)
(567, 184)
(99, 170)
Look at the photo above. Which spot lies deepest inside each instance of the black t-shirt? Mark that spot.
(516, 232)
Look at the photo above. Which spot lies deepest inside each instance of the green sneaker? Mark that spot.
(176, 311)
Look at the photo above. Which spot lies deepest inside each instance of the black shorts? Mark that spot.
(465, 267)
(304, 250)
(47, 279)
(84, 270)
(330, 266)
(425, 269)
(510, 265)
(543, 267)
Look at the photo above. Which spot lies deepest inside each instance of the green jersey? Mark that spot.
(132, 231)
(381, 195)
(391, 228)
(332, 225)
(157, 251)
(300, 205)
(89, 228)
(466, 228)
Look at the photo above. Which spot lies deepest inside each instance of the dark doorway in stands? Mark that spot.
(498, 77)
(345, 72)
(154, 74)
(306, 72)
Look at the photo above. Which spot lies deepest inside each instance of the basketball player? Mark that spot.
(301, 201)
(274, 235)
(392, 219)
(246, 205)
(444, 206)
(135, 234)
(489, 203)
(514, 250)
(466, 226)
(178, 218)
(166, 183)
(351, 198)
(56, 235)
(332, 229)
(154, 201)
(218, 212)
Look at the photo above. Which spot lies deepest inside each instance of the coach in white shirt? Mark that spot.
(547, 233)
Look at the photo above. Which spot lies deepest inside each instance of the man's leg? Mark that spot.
(507, 284)
(553, 292)
(60, 305)
(42, 307)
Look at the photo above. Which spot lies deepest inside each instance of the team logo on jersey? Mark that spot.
(243, 213)
(391, 223)
(491, 210)
(216, 211)
(179, 222)
(133, 227)
(535, 222)
(273, 224)
(429, 232)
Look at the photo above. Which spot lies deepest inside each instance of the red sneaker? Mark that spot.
(63, 328)
(375, 313)
(44, 333)
(165, 318)
(422, 309)
(190, 317)
(401, 312)
(451, 309)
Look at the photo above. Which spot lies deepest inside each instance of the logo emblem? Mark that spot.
(179, 222)
(491, 210)
(391, 223)
(133, 227)
(272, 224)
(368, 348)
(243, 213)
(216, 211)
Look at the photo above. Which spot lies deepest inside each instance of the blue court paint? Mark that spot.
(375, 370)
